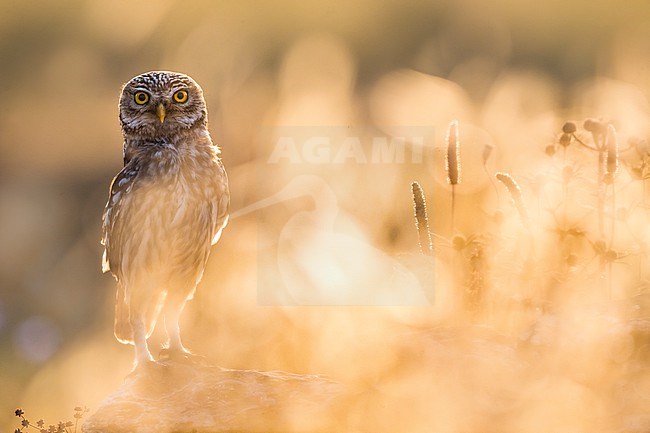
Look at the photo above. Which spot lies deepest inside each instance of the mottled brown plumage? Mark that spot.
(166, 207)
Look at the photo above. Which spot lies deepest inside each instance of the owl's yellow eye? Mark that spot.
(141, 98)
(180, 96)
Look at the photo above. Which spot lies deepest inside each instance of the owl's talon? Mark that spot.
(180, 355)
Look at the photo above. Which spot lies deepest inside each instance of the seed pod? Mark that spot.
(612, 151)
(565, 140)
(515, 193)
(569, 128)
(421, 220)
(550, 150)
(593, 125)
(458, 242)
(453, 154)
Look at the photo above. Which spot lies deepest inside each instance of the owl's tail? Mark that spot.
(123, 330)
(149, 307)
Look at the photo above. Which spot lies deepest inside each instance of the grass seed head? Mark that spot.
(453, 154)
(516, 195)
(421, 219)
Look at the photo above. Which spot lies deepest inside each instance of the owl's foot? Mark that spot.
(180, 355)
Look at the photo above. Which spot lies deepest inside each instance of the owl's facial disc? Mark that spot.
(158, 103)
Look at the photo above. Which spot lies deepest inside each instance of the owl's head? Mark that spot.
(159, 102)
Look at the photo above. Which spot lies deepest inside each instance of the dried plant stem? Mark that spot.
(601, 191)
(613, 228)
(565, 201)
(606, 282)
(453, 208)
(612, 151)
(582, 143)
(611, 167)
(421, 220)
(612, 233)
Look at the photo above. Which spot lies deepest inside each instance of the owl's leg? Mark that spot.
(142, 353)
(172, 313)
(174, 305)
(144, 305)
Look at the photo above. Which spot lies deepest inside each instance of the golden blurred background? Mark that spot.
(510, 71)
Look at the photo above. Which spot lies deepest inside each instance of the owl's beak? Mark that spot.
(160, 112)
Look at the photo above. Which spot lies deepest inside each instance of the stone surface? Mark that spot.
(177, 397)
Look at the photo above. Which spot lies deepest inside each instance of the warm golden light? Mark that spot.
(523, 306)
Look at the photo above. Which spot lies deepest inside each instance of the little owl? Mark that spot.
(166, 207)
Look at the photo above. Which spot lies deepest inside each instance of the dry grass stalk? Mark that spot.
(516, 195)
(611, 165)
(421, 220)
(611, 168)
(598, 133)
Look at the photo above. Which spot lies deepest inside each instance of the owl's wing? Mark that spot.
(120, 188)
(222, 203)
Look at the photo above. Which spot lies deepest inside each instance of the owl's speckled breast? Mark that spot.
(172, 212)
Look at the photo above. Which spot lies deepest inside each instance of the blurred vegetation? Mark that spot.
(517, 68)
